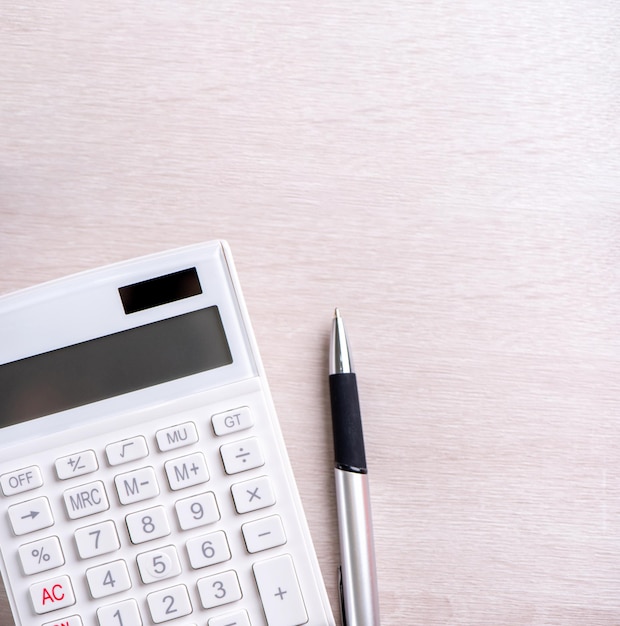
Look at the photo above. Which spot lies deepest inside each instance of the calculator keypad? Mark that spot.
(145, 560)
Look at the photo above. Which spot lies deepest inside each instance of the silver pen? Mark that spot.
(359, 593)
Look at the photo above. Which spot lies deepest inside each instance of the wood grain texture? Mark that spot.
(447, 174)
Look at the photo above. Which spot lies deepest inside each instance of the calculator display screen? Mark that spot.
(112, 365)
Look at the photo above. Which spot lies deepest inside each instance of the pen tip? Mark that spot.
(337, 312)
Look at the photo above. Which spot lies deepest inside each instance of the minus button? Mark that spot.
(263, 534)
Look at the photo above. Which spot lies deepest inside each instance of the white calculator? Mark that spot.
(143, 475)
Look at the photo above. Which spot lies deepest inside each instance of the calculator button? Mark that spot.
(159, 564)
(76, 465)
(240, 618)
(232, 421)
(126, 450)
(169, 604)
(279, 590)
(74, 620)
(120, 614)
(21, 480)
(26, 517)
(108, 579)
(219, 589)
(136, 486)
(241, 456)
(56, 593)
(187, 471)
(147, 525)
(208, 550)
(97, 539)
(86, 500)
(252, 495)
(39, 556)
(176, 436)
(197, 511)
(263, 534)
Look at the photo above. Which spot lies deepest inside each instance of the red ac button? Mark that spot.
(56, 593)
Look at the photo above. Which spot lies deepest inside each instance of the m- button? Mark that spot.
(21, 480)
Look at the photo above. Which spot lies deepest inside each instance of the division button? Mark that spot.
(242, 455)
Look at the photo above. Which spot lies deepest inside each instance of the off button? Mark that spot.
(21, 480)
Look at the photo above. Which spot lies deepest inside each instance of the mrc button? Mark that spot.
(86, 500)
(21, 480)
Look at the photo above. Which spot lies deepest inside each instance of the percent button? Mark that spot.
(40, 556)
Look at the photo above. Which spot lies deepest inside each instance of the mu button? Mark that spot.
(52, 594)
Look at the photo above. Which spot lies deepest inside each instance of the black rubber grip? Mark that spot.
(349, 450)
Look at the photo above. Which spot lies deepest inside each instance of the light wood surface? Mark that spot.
(444, 172)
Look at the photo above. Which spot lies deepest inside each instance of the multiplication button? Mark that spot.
(252, 495)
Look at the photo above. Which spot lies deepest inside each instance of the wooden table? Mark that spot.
(447, 174)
